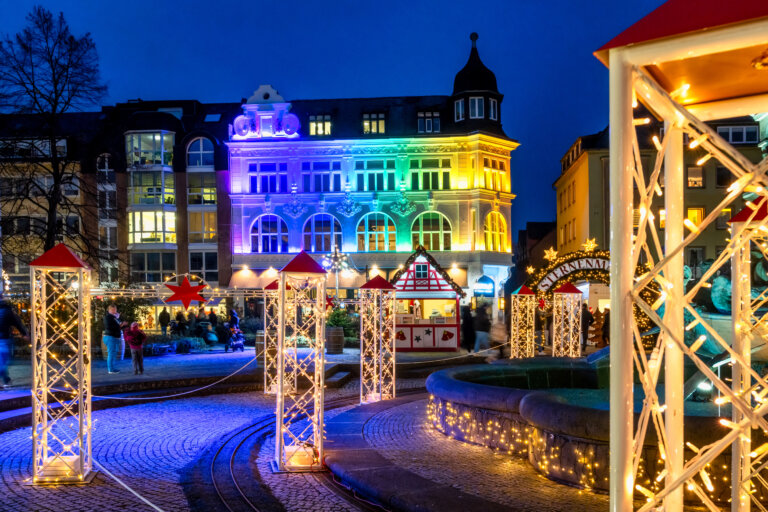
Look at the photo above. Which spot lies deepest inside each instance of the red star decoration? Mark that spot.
(186, 293)
(328, 302)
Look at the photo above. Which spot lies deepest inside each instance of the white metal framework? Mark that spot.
(684, 473)
(61, 380)
(522, 324)
(271, 326)
(299, 426)
(377, 344)
(566, 324)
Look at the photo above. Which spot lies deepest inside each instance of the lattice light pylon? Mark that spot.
(301, 315)
(635, 67)
(271, 326)
(522, 325)
(566, 321)
(61, 368)
(377, 341)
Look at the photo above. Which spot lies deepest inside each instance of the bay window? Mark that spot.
(151, 227)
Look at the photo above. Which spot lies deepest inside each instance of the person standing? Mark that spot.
(8, 320)
(586, 321)
(213, 318)
(607, 326)
(112, 337)
(164, 318)
(135, 338)
(467, 328)
(482, 328)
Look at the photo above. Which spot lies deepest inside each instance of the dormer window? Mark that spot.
(320, 125)
(493, 107)
(373, 123)
(429, 122)
(458, 110)
(476, 105)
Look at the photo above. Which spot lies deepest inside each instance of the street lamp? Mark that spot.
(336, 262)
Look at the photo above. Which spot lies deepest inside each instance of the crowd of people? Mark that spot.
(478, 333)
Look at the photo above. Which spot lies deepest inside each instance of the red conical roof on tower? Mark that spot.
(303, 263)
(568, 288)
(523, 290)
(378, 283)
(59, 256)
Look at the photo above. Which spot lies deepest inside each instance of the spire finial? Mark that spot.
(473, 37)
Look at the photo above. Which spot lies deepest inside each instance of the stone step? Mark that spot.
(338, 379)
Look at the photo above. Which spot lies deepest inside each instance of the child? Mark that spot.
(135, 338)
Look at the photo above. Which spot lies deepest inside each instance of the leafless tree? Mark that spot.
(46, 75)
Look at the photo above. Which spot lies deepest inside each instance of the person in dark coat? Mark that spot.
(234, 320)
(112, 337)
(607, 327)
(213, 318)
(467, 328)
(8, 320)
(135, 338)
(482, 328)
(164, 318)
(586, 320)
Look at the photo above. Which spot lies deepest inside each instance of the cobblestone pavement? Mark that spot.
(404, 436)
(147, 446)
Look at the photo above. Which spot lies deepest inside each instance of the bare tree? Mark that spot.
(46, 74)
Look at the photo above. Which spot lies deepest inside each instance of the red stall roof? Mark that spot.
(59, 256)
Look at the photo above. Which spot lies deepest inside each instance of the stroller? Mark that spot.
(236, 340)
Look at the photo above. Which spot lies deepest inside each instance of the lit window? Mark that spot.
(376, 232)
(695, 215)
(695, 177)
(635, 218)
(201, 188)
(458, 110)
(739, 134)
(320, 125)
(722, 220)
(476, 104)
(430, 174)
(493, 107)
(145, 149)
(662, 219)
(205, 265)
(433, 231)
(495, 175)
(268, 178)
(200, 153)
(152, 187)
(202, 227)
(495, 232)
(429, 122)
(322, 233)
(269, 234)
(373, 123)
(146, 227)
(321, 176)
(152, 267)
(375, 175)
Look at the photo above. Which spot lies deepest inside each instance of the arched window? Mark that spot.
(200, 152)
(322, 232)
(495, 229)
(376, 232)
(433, 231)
(269, 234)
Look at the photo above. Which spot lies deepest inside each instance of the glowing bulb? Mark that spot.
(641, 121)
(690, 225)
(701, 161)
(698, 140)
(696, 345)
(656, 142)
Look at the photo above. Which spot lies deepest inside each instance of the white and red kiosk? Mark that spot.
(427, 306)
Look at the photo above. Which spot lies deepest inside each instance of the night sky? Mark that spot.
(220, 51)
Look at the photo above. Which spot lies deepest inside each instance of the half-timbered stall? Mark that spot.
(427, 308)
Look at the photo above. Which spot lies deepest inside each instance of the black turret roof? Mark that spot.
(474, 76)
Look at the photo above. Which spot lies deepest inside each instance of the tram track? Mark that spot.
(234, 494)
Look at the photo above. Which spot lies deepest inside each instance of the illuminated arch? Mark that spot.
(431, 230)
(269, 234)
(376, 232)
(200, 152)
(495, 231)
(322, 232)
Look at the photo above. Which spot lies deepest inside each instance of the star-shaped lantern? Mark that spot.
(550, 254)
(185, 292)
(589, 245)
(530, 270)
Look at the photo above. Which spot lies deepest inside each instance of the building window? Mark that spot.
(321, 176)
(495, 177)
(152, 187)
(739, 134)
(269, 234)
(433, 231)
(476, 104)
(375, 175)
(205, 265)
(421, 271)
(431, 174)
(268, 178)
(107, 204)
(200, 153)
(202, 227)
(201, 188)
(107, 240)
(662, 219)
(695, 177)
(106, 175)
(495, 232)
(376, 232)
(723, 177)
(458, 110)
(152, 267)
(722, 220)
(320, 125)
(146, 227)
(429, 122)
(154, 148)
(322, 232)
(373, 123)
(694, 257)
(493, 108)
(107, 271)
(695, 215)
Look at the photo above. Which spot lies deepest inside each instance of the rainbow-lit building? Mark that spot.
(374, 178)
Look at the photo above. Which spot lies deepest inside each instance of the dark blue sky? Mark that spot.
(541, 51)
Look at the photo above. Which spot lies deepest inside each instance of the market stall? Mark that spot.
(427, 306)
